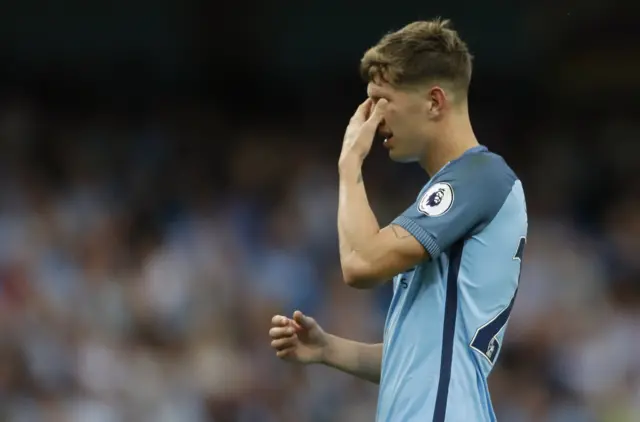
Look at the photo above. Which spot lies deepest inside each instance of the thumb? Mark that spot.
(304, 321)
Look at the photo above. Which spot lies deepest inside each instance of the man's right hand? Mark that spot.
(298, 339)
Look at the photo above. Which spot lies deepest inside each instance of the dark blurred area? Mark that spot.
(168, 176)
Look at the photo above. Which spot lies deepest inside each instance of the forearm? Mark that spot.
(358, 359)
(357, 224)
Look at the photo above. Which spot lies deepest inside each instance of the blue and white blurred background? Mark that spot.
(168, 176)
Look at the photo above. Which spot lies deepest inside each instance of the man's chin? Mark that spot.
(398, 157)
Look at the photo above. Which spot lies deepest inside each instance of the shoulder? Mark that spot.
(481, 181)
(481, 168)
(480, 174)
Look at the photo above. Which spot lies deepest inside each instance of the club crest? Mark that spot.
(437, 200)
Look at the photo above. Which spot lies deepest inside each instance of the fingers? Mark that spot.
(363, 110)
(280, 332)
(283, 343)
(285, 352)
(370, 113)
(280, 321)
(370, 127)
(377, 113)
(284, 331)
(282, 337)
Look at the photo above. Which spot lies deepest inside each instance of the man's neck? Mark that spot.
(455, 139)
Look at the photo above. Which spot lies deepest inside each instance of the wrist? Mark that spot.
(328, 350)
(349, 164)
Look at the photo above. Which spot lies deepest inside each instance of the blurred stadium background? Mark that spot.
(168, 182)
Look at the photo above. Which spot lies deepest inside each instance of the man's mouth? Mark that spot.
(385, 134)
(388, 138)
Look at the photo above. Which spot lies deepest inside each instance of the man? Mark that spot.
(455, 253)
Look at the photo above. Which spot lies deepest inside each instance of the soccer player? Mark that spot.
(454, 255)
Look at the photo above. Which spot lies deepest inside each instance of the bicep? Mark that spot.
(392, 251)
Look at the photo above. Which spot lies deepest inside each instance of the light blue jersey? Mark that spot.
(448, 315)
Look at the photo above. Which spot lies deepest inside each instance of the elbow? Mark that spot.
(357, 273)
(355, 281)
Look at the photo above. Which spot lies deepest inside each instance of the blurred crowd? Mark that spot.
(141, 262)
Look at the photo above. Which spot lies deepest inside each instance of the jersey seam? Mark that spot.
(480, 226)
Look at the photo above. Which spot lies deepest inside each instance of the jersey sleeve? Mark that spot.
(458, 202)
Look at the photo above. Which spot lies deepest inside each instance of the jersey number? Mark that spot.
(485, 339)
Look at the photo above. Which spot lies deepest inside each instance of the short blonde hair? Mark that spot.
(421, 52)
